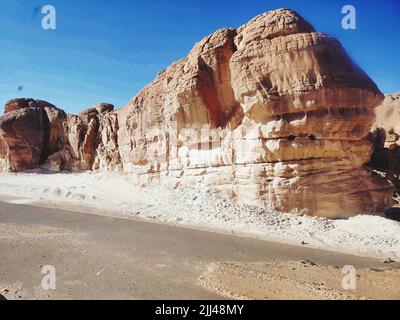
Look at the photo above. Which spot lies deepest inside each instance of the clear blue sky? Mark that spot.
(106, 51)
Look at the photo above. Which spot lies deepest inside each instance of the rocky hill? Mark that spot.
(273, 113)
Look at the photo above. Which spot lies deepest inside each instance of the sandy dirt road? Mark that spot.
(97, 257)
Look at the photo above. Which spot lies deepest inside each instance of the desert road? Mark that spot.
(97, 257)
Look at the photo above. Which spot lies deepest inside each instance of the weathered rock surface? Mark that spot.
(91, 141)
(273, 113)
(34, 133)
(385, 136)
(22, 138)
(388, 119)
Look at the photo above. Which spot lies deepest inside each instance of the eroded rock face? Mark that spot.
(22, 139)
(34, 133)
(30, 131)
(388, 119)
(385, 136)
(273, 113)
(91, 141)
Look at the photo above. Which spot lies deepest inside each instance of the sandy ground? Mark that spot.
(203, 208)
(98, 257)
(296, 280)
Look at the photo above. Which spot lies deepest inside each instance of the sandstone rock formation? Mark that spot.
(30, 131)
(34, 133)
(385, 136)
(274, 113)
(388, 119)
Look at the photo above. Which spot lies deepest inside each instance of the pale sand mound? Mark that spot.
(297, 280)
(201, 207)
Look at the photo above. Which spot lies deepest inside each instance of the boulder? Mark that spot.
(21, 139)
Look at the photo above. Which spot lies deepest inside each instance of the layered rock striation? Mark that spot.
(273, 113)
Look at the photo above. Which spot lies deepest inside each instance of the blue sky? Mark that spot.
(106, 51)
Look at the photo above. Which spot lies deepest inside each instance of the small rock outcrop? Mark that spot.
(388, 119)
(273, 113)
(34, 133)
(30, 131)
(385, 136)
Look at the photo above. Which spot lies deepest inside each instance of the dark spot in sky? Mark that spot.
(20, 88)
(35, 12)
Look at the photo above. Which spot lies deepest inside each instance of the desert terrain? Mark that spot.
(99, 257)
(256, 167)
